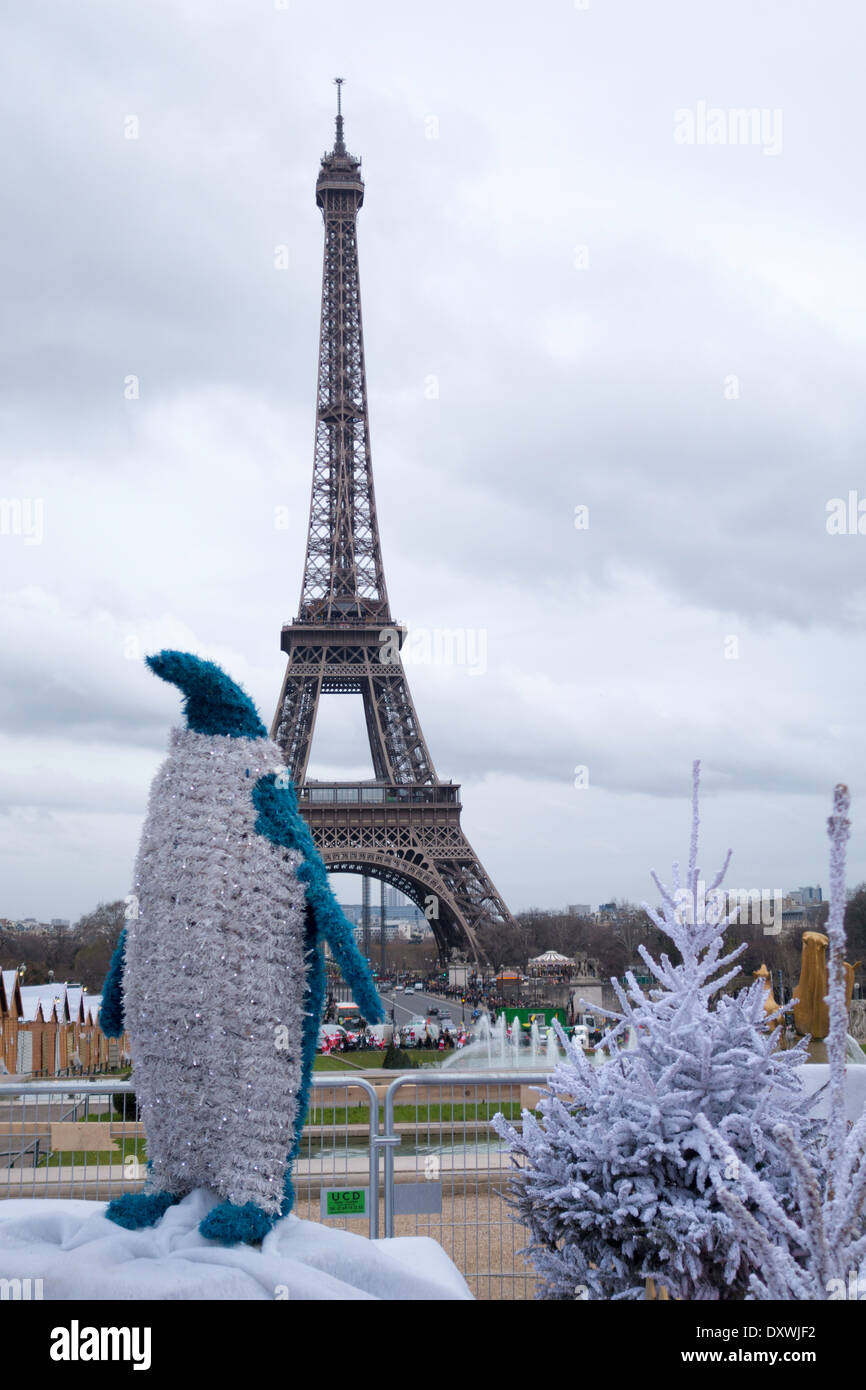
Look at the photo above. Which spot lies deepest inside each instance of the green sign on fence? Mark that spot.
(344, 1201)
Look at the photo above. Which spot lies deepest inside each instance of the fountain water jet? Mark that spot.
(496, 1048)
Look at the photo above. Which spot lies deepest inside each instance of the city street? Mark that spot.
(406, 1006)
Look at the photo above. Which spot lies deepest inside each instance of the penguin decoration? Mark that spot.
(218, 978)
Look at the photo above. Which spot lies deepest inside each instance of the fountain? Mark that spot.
(514, 1039)
(498, 1047)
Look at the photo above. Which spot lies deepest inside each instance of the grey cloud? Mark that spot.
(557, 386)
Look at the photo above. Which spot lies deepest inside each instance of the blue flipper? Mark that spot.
(111, 1011)
(281, 822)
(314, 998)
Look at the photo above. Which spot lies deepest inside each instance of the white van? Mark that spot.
(382, 1032)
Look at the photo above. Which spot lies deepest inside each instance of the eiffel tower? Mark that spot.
(402, 827)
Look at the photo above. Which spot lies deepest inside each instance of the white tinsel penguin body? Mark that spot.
(221, 977)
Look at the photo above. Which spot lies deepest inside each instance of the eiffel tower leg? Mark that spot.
(396, 741)
(295, 720)
(471, 890)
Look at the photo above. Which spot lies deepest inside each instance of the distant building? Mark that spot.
(804, 897)
(794, 916)
(53, 1030)
(579, 910)
(402, 912)
(394, 930)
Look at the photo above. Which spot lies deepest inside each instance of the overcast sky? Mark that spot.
(572, 299)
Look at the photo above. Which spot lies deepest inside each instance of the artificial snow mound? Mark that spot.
(79, 1254)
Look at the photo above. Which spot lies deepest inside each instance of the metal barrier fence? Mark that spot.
(340, 1153)
(62, 1139)
(446, 1176)
(443, 1174)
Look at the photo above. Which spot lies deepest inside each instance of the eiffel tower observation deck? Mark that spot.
(403, 827)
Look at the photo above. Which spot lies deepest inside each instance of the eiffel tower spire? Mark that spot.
(403, 827)
(343, 575)
(339, 147)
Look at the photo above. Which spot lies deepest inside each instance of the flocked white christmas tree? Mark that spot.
(818, 1250)
(616, 1180)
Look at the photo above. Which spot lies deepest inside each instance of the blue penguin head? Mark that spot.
(213, 703)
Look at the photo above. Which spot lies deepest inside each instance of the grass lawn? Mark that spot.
(352, 1061)
(479, 1112)
(68, 1158)
(420, 1115)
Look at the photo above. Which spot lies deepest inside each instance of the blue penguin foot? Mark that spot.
(135, 1210)
(230, 1224)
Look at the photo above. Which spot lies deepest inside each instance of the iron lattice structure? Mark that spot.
(404, 826)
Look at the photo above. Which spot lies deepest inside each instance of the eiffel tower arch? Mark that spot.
(403, 826)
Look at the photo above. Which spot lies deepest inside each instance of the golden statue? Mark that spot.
(811, 1012)
(770, 1005)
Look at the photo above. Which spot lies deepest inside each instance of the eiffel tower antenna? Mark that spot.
(339, 147)
(403, 827)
